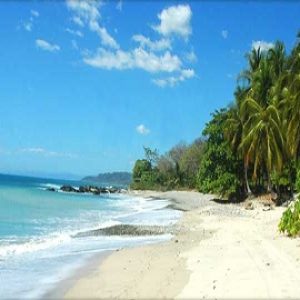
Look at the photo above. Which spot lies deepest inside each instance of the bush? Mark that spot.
(290, 220)
(298, 181)
(220, 170)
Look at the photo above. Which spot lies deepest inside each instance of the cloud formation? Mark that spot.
(174, 80)
(224, 34)
(142, 129)
(35, 13)
(77, 20)
(74, 32)
(151, 55)
(191, 57)
(137, 58)
(44, 45)
(87, 13)
(28, 25)
(45, 152)
(175, 20)
(263, 45)
(158, 45)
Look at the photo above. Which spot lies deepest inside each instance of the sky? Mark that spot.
(84, 85)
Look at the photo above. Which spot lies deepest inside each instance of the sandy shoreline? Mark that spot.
(219, 251)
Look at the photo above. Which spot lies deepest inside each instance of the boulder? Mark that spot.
(83, 189)
(68, 188)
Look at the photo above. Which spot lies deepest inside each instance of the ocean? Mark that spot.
(38, 247)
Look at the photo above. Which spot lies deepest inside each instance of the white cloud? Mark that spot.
(46, 45)
(159, 45)
(191, 57)
(87, 10)
(33, 150)
(119, 5)
(77, 20)
(142, 129)
(263, 45)
(106, 38)
(27, 26)
(74, 45)
(35, 13)
(74, 32)
(137, 58)
(174, 80)
(153, 56)
(175, 20)
(87, 13)
(224, 34)
(45, 152)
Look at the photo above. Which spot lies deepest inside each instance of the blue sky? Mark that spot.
(84, 85)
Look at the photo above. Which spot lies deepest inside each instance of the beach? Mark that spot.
(217, 251)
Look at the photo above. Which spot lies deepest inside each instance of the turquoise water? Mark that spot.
(37, 229)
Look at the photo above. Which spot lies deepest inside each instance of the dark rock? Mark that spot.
(90, 189)
(68, 188)
(83, 189)
(96, 192)
(51, 189)
(124, 229)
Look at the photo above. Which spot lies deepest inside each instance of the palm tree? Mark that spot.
(276, 58)
(262, 140)
(234, 132)
(292, 101)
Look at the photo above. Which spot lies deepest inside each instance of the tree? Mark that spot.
(263, 139)
(176, 154)
(220, 169)
(151, 155)
(234, 134)
(190, 161)
(141, 166)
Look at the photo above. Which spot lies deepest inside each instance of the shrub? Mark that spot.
(298, 181)
(290, 220)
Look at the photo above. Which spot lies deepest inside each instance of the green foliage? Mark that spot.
(141, 166)
(281, 179)
(290, 220)
(144, 175)
(175, 169)
(220, 170)
(190, 162)
(298, 181)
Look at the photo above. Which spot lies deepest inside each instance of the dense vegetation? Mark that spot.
(250, 147)
(290, 220)
(177, 168)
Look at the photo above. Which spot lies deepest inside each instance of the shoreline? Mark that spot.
(219, 251)
(166, 246)
(89, 266)
(60, 288)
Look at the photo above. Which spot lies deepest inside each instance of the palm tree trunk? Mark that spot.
(248, 190)
(269, 183)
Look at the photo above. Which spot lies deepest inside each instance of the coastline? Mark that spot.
(61, 288)
(218, 251)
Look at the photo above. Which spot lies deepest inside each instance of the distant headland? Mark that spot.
(113, 178)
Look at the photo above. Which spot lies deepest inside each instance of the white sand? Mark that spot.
(220, 251)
